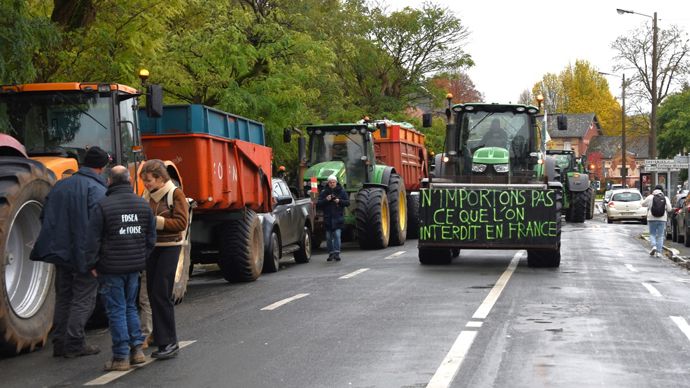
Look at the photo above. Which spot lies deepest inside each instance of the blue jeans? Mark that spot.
(657, 234)
(333, 241)
(119, 294)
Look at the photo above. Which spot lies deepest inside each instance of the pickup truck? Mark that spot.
(288, 228)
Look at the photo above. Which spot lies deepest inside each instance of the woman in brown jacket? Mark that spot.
(171, 223)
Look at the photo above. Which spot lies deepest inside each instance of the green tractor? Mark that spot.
(578, 196)
(377, 215)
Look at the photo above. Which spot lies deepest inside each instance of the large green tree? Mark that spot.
(674, 124)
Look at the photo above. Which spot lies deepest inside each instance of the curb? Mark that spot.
(672, 254)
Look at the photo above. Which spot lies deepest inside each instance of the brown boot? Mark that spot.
(117, 364)
(147, 342)
(136, 355)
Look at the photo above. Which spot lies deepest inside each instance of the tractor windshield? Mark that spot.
(59, 123)
(347, 147)
(563, 161)
(508, 130)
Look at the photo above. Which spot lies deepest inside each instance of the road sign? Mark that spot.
(664, 165)
(663, 168)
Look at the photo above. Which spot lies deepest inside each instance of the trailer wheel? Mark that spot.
(435, 256)
(303, 254)
(578, 207)
(272, 254)
(242, 248)
(413, 221)
(27, 296)
(373, 218)
(397, 203)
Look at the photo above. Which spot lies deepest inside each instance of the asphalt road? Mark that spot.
(610, 316)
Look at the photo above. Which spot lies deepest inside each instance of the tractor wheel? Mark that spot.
(272, 254)
(373, 218)
(413, 221)
(397, 204)
(578, 208)
(242, 248)
(27, 295)
(435, 256)
(544, 258)
(590, 204)
(303, 254)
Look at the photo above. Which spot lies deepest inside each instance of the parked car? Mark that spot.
(626, 204)
(674, 221)
(605, 201)
(288, 228)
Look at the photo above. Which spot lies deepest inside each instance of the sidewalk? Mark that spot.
(679, 253)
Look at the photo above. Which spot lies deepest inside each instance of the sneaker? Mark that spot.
(87, 350)
(136, 355)
(659, 255)
(165, 352)
(117, 364)
(337, 257)
(652, 252)
(330, 257)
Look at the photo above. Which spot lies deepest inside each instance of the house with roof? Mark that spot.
(605, 159)
(582, 128)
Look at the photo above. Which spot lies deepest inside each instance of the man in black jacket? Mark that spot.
(122, 233)
(333, 200)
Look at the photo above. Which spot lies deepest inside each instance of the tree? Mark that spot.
(459, 84)
(551, 88)
(674, 124)
(526, 98)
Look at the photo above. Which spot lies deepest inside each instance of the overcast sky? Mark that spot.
(514, 43)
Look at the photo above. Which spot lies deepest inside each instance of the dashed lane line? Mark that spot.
(631, 268)
(353, 274)
(283, 302)
(682, 325)
(446, 372)
(112, 376)
(394, 255)
(651, 289)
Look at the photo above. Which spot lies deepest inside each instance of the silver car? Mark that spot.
(626, 204)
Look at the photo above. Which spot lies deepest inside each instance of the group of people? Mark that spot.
(105, 239)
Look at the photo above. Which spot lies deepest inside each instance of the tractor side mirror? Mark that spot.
(426, 120)
(286, 135)
(562, 123)
(154, 101)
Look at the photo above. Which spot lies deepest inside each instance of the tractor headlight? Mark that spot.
(502, 167)
(478, 167)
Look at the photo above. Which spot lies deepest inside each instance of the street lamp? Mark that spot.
(655, 60)
(624, 169)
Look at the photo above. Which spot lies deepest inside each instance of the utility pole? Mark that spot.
(624, 170)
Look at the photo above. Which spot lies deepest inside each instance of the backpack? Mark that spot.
(658, 205)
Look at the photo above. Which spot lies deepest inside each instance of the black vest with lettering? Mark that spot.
(126, 224)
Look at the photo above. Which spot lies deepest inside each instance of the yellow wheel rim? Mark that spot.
(385, 220)
(402, 210)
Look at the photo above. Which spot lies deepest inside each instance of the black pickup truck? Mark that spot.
(288, 228)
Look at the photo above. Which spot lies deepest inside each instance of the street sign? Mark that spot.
(663, 168)
(651, 165)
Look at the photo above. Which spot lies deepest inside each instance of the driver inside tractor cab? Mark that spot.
(495, 136)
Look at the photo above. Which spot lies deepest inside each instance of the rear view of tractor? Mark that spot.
(578, 196)
(377, 214)
(492, 188)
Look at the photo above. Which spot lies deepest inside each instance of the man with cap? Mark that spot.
(657, 224)
(65, 220)
(332, 201)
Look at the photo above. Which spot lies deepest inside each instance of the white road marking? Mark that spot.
(651, 289)
(682, 325)
(396, 254)
(474, 324)
(450, 365)
(353, 274)
(486, 306)
(631, 268)
(112, 376)
(283, 302)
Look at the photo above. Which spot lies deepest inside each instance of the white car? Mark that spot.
(626, 204)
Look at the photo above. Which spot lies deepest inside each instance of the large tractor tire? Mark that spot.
(413, 220)
(590, 204)
(397, 204)
(373, 218)
(436, 256)
(27, 295)
(578, 208)
(272, 254)
(242, 248)
(303, 254)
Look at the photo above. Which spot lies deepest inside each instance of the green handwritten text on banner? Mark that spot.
(489, 216)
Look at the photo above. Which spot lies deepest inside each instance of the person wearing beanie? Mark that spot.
(657, 222)
(333, 200)
(61, 242)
